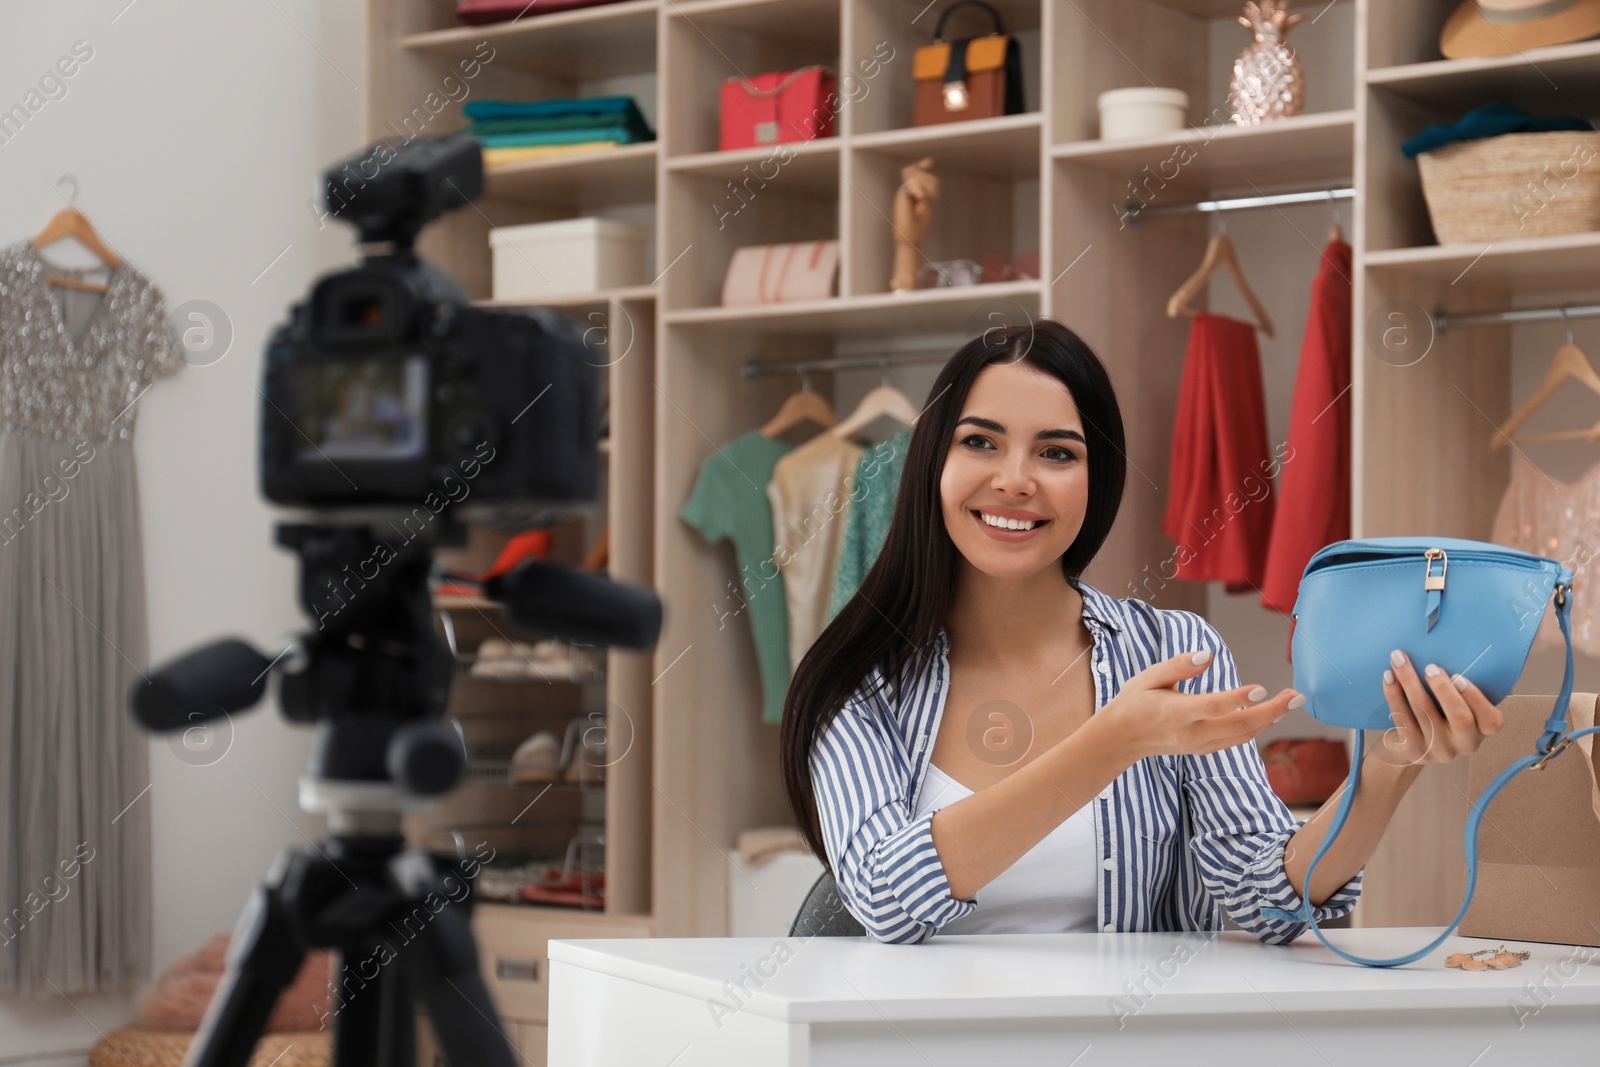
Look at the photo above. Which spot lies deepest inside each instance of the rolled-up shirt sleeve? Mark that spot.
(888, 872)
(1241, 827)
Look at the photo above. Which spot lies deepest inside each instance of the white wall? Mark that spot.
(195, 131)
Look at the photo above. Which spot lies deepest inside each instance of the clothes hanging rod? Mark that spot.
(754, 368)
(1443, 320)
(1241, 203)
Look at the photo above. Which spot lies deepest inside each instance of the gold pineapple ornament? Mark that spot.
(1268, 82)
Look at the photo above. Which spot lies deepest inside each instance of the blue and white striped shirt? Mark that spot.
(1181, 838)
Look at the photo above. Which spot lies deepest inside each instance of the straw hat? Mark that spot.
(1504, 27)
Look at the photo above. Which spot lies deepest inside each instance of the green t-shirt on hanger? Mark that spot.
(867, 521)
(729, 501)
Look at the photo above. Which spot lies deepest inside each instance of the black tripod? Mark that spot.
(375, 902)
(375, 679)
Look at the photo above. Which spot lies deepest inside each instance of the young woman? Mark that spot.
(980, 742)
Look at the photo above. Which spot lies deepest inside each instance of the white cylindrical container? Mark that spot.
(1142, 111)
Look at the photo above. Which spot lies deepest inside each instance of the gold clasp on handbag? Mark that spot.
(955, 95)
(1430, 580)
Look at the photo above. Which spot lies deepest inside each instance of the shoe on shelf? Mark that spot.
(586, 741)
(538, 759)
(505, 660)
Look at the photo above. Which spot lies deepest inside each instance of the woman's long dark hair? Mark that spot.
(900, 606)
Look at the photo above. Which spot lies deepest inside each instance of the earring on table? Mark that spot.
(1499, 959)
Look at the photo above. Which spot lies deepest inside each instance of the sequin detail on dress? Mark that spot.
(1559, 521)
(78, 390)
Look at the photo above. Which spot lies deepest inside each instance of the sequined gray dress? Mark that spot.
(74, 828)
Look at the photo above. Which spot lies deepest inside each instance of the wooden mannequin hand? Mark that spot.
(913, 201)
(913, 209)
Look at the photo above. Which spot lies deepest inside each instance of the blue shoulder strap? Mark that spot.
(1550, 744)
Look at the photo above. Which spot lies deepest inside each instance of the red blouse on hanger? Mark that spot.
(1314, 489)
(1220, 507)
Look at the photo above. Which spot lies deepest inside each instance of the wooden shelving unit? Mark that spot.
(706, 767)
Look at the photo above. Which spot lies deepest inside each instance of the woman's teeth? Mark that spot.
(1007, 524)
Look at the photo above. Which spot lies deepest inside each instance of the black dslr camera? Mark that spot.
(386, 380)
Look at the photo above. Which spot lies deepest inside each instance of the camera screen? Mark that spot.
(363, 409)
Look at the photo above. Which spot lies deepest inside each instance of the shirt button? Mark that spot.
(1109, 928)
(1109, 864)
(1103, 667)
(1105, 794)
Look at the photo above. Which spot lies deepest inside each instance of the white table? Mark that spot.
(1066, 999)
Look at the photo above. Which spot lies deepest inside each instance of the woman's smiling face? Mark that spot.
(1016, 476)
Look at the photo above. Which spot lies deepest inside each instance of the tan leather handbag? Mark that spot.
(968, 78)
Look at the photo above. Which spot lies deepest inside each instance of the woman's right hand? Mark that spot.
(1151, 718)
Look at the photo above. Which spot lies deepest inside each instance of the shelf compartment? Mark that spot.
(876, 82)
(715, 40)
(1529, 265)
(1307, 150)
(926, 310)
(811, 167)
(711, 218)
(1544, 80)
(622, 175)
(988, 204)
(595, 42)
(1007, 147)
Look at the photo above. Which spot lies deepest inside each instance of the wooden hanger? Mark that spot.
(1335, 233)
(1571, 363)
(1219, 253)
(800, 407)
(883, 401)
(70, 222)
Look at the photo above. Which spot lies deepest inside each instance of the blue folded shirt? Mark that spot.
(606, 110)
(1491, 120)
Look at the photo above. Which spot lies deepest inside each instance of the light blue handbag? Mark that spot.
(1470, 607)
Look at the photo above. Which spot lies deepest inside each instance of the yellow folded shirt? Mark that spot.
(494, 156)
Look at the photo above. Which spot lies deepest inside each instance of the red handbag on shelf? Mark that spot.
(782, 105)
(1306, 770)
(480, 12)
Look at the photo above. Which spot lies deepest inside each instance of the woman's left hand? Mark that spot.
(1421, 734)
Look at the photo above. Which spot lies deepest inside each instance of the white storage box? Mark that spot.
(570, 256)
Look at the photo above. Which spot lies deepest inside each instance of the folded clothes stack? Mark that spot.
(512, 131)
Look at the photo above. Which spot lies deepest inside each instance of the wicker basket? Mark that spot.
(135, 1046)
(1514, 185)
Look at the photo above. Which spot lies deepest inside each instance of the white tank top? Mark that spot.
(1052, 887)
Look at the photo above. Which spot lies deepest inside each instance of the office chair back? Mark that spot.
(823, 914)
